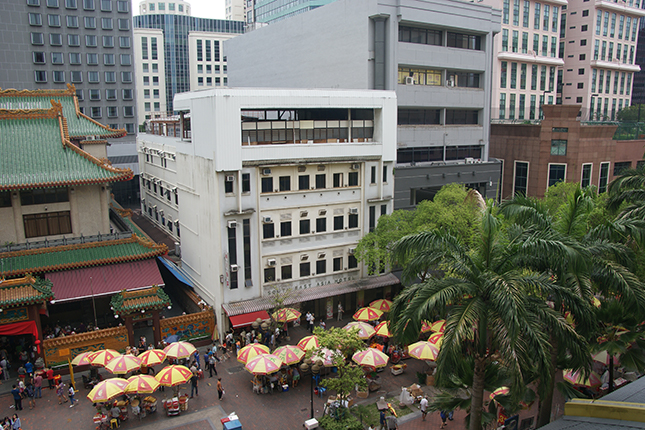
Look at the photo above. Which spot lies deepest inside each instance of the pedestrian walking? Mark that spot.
(15, 423)
(220, 390)
(71, 393)
(340, 311)
(50, 377)
(17, 398)
(424, 407)
(444, 417)
(38, 385)
(382, 419)
(4, 363)
(197, 362)
(212, 366)
(60, 392)
(194, 380)
(30, 392)
(392, 422)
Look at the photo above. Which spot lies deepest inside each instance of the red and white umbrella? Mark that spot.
(383, 329)
(152, 357)
(123, 364)
(264, 364)
(382, 305)
(179, 350)
(423, 350)
(371, 357)
(249, 352)
(103, 357)
(367, 314)
(365, 331)
(577, 378)
(289, 354)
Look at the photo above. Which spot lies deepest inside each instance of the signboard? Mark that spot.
(63, 352)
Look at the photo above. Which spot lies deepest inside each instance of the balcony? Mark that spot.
(530, 57)
(615, 65)
(620, 7)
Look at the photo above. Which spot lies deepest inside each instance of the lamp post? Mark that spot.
(315, 370)
(543, 102)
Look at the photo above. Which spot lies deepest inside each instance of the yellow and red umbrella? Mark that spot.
(249, 352)
(82, 358)
(179, 350)
(152, 357)
(426, 327)
(286, 315)
(123, 364)
(308, 342)
(141, 384)
(371, 357)
(603, 357)
(173, 375)
(367, 314)
(382, 305)
(501, 391)
(577, 378)
(383, 329)
(289, 354)
(107, 390)
(325, 355)
(436, 339)
(365, 331)
(438, 326)
(103, 357)
(423, 350)
(264, 364)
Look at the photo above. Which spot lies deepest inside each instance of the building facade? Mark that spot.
(179, 61)
(638, 89)
(235, 10)
(269, 11)
(436, 55)
(271, 190)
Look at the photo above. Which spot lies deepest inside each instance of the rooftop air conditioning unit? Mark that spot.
(321, 255)
(304, 257)
(232, 224)
(353, 211)
(322, 212)
(351, 251)
(302, 168)
(271, 262)
(266, 172)
(267, 220)
(469, 160)
(234, 267)
(356, 166)
(230, 178)
(409, 80)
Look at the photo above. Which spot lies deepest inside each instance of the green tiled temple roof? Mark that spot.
(65, 257)
(127, 302)
(78, 124)
(24, 291)
(36, 153)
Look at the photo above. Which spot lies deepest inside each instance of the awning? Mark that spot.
(306, 295)
(179, 273)
(247, 319)
(98, 281)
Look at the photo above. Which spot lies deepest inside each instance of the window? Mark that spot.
(129, 128)
(95, 95)
(285, 228)
(40, 76)
(269, 274)
(321, 181)
(124, 24)
(146, 80)
(620, 167)
(285, 271)
(88, 4)
(126, 77)
(110, 94)
(144, 48)
(35, 19)
(246, 182)
(268, 231)
(520, 183)
(108, 41)
(95, 112)
(92, 59)
(106, 5)
(338, 262)
(110, 77)
(124, 41)
(58, 76)
(39, 57)
(128, 111)
(585, 180)
(581, 71)
(284, 183)
(76, 76)
(321, 267)
(353, 221)
(126, 60)
(122, 6)
(55, 39)
(70, 4)
(146, 106)
(90, 22)
(353, 179)
(155, 80)
(73, 40)
(339, 222)
(303, 182)
(321, 225)
(373, 175)
(107, 24)
(384, 174)
(416, 35)
(305, 269)
(463, 41)
(153, 48)
(267, 185)
(33, 2)
(108, 59)
(372, 218)
(352, 262)
(53, 20)
(584, 28)
(112, 112)
(557, 173)
(37, 39)
(304, 226)
(338, 180)
(47, 224)
(90, 41)
(558, 147)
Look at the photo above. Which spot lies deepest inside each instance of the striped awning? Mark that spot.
(313, 293)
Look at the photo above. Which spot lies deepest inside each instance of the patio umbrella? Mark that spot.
(173, 375)
(141, 384)
(107, 390)
(501, 391)
(577, 378)
(179, 350)
(423, 350)
(152, 357)
(382, 305)
(436, 339)
(123, 364)
(367, 314)
(249, 352)
(438, 326)
(603, 357)
(426, 327)
(326, 356)
(596, 302)
(82, 358)
(172, 338)
(286, 315)
(365, 331)
(103, 357)
(289, 354)
(264, 364)
(383, 329)
(371, 357)
(308, 342)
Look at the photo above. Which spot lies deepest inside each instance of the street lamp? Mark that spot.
(315, 370)
(543, 102)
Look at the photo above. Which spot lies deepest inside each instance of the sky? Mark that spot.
(201, 8)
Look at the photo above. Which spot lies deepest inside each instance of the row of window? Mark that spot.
(146, 67)
(76, 77)
(518, 75)
(436, 153)
(210, 68)
(162, 7)
(158, 188)
(110, 94)
(427, 36)
(433, 77)
(154, 53)
(320, 181)
(74, 40)
(608, 49)
(47, 224)
(557, 173)
(209, 81)
(168, 224)
(544, 16)
(624, 24)
(157, 106)
(601, 79)
(517, 106)
(204, 52)
(604, 112)
(75, 58)
(155, 80)
(96, 112)
(433, 116)
(146, 94)
(122, 6)
(305, 227)
(545, 46)
(72, 21)
(286, 270)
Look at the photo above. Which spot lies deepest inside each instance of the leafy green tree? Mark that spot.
(495, 310)
(627, 192)
(630, 114)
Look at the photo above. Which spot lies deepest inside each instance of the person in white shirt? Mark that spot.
(424, 407)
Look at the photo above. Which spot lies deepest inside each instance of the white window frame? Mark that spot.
(608, 163)
(528, 170)
(582, 172)
(548, 175)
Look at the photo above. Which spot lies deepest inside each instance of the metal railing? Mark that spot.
(9, 247)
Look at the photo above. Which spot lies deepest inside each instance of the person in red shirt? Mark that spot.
(50, 378)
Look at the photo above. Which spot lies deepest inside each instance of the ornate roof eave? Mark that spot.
(129, 302)
(42, 291)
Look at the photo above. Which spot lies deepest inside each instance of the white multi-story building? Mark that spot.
(150, 76)
(208, 64)
(235, 10)
(272, 190)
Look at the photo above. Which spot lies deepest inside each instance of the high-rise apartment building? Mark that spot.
(188, 53)
(268, 11)
(638, 88)
(235, 10)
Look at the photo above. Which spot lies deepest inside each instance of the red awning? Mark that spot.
(247, 319)
(97, 281)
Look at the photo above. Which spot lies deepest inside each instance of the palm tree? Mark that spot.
(629, 188)
(495, 311)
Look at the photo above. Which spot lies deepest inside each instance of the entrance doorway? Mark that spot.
(143, 329)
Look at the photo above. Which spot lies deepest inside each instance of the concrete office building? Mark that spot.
(638, 88)
(269, 11)
(272, 190)
(235, 10)
(182, 56)
(437, 56)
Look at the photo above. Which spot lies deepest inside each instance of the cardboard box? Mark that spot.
(362, 394)
(415, 390)
(430, 380)
(311, 424)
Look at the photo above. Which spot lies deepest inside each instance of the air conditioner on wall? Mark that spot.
(356, 166)
(322, 212)
(271, 262)
(267, 220)
(234, 267)
(230, 178)
(302, 168)
(232, 224)
(266, 172)
(353, 211)
(351, 251)
(321, 255)
(304, 257)
(409, 80)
